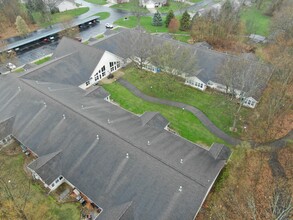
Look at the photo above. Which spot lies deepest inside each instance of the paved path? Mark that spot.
(282, 142)
(197, 113)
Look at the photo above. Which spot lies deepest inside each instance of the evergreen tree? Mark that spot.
(185, 21)
(21, 26)
(169, 17)
(157, 19)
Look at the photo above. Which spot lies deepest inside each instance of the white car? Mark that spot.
(10, 66)
(108, 25)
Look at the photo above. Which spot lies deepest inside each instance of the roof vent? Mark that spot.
(127, 155)
(180, 189)
(149, 143)
(64, 116)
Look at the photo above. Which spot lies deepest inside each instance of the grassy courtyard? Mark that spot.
(216, 106)
(39, 204)
(183, 122)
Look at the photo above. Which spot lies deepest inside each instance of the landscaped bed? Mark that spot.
(215, 105)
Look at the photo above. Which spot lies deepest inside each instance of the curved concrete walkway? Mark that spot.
(196, 112)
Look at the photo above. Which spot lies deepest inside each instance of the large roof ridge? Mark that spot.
(46, 64)
(25, 81)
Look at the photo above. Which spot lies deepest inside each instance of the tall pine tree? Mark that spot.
(169, 17)
(157, 19)
(185, 21)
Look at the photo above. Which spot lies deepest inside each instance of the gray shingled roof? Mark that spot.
(6, 127)
(48, 167)
(150, 177)
(72, 63)
(154, 119)
(60, 123)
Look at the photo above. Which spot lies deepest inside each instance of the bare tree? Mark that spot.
(69, 30)
(137, 46)
(243, 78)
(51, 4)
(174, 59)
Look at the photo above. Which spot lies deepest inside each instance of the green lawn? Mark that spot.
(172, 6)
(40, 205)
(129, 6)
(59, 17)
(103, 15)
(182, 38)
(43, 60)
(98, 2)
(165, 86)
(145, 22)
(183, 122)
(256, 22)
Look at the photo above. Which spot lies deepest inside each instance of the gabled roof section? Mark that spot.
(6, 127)
(220, 151)
(154, 119)
(72, 63)
(97, 91)
(119, 212)
(48, 167)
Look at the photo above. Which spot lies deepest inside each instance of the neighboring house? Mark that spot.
(129, 165)
(117, 1)
(152, 3)
(64, 5)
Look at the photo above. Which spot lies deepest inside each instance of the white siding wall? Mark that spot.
(250, 102)
(196, 83)
(103, 69)
(57, 182)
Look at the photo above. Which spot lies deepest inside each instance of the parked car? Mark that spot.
(10, 66)
(108, 25)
